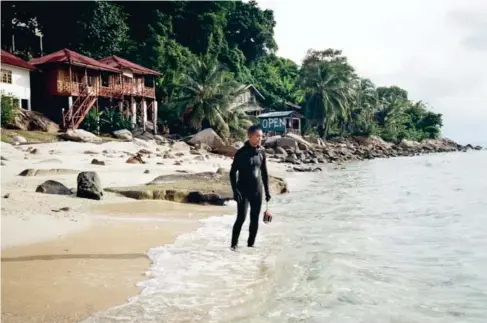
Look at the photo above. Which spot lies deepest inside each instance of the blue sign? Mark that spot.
(277, 124)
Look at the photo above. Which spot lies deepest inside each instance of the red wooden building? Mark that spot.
(138, 85)
(69, 85)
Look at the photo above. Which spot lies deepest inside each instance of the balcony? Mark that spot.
(139, 90)
(112, 91)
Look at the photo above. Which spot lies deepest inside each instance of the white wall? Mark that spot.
(20, 86)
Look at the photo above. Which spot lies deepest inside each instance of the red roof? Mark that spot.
(8, 58)
(68, 56)
(122, 63)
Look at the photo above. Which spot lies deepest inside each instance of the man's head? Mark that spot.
(255, 135)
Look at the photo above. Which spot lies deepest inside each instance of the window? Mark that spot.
(6, 76)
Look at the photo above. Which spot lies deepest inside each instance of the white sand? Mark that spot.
(28, 216)
(47, 254)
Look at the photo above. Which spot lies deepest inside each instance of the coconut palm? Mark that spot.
(327, 94)
(362, 106)
(209, 91)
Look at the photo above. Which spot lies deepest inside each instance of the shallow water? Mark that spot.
(395, 240)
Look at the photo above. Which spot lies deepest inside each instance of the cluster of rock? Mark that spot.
(32, 120)
(296, 150)
(88, 184)
(199, 188)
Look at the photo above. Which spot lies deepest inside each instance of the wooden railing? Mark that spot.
(74, 89)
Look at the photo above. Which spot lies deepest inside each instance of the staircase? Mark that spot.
(80, 108)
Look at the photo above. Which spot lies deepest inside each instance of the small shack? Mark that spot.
(281, 122)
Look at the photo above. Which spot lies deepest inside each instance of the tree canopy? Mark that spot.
(215, 45)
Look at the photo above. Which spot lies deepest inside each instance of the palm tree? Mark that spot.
(390, 110)
(363, 105)
(208, 92)
(327, 93)
(291, 91)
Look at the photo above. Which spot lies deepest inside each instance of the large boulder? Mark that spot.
(53, 187)
(442, 145)
(33, 121)
(271, 142)
(372, 142)
(79, 135)
(287, 143)
(408, 144)
(228, 151)
(89, 186)
(201, 188)
(207, 137)
(304, 145)
(238, 144)
(123, 134)
(142, 134)
(281, 151)
(180, 146)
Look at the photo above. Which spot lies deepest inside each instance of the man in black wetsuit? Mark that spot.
(250, 164)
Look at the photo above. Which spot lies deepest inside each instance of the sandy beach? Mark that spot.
(63, 265)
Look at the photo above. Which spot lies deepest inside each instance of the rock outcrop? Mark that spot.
(79, 135)
(201, 188)
(123, 134)
(207, 137)
(297, 151)
(33, 121)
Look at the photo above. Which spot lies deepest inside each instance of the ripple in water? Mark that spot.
(397, 240)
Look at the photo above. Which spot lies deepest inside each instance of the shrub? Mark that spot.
(8, 108)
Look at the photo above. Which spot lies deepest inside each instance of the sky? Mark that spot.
(434, 49)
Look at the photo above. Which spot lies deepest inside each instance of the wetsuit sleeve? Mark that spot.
(233, 171)
(265, 176)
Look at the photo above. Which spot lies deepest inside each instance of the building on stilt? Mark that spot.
(67, 85)
(139, 89)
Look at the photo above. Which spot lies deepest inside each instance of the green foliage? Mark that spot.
(326, 77)
(106, 121)
(208, 91)
(8, 106)
(203, 48)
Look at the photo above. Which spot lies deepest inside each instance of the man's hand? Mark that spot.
(267, 197)
(237, 196)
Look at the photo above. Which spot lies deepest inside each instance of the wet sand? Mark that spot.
(63, 266)
(67, 279)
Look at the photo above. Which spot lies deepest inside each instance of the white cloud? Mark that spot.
(435, 49)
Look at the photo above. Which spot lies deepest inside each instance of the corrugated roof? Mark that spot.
(68, 56)
(10, 59)
(276, 114)
(122, 63)
(247, 86)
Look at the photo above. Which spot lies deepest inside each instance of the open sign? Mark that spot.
(273, 124)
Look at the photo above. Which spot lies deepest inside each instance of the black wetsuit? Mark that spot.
(250, 163)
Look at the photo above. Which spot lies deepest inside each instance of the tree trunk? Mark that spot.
(325, 129)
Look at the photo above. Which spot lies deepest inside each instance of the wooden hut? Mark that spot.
(138, 88)
(70, 85)
(280, 122)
